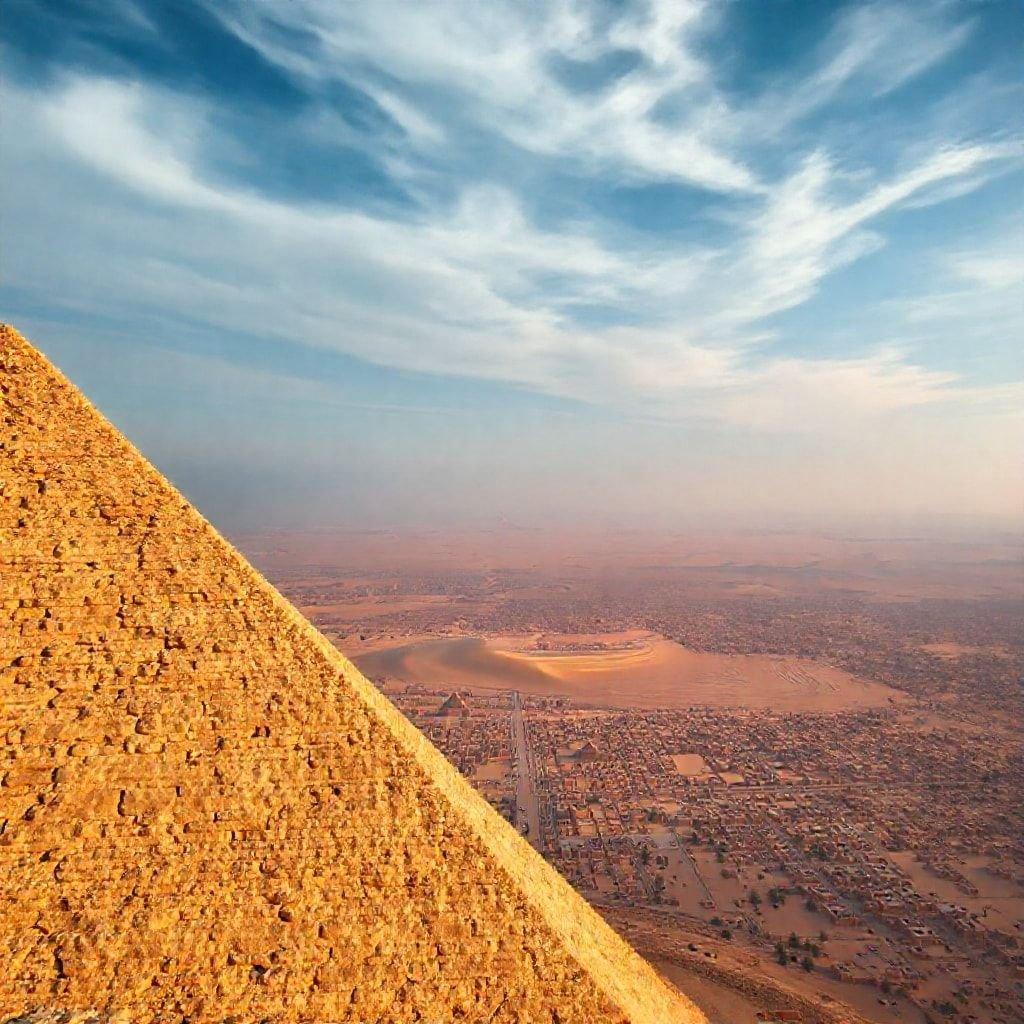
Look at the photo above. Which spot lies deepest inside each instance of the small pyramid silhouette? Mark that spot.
(207, 814)
(454, 704)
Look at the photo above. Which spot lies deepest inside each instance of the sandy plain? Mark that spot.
(632, 669)
(690, 765)
(736, 563)
(951, 651)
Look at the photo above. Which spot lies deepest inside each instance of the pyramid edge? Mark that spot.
(626, 979)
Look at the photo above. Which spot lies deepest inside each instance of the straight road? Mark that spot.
(527, 808)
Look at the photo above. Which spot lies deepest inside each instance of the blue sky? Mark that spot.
(449, 262)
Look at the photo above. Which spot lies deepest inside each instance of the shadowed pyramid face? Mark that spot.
(206, 812)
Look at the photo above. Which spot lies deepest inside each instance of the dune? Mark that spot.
(646, 672)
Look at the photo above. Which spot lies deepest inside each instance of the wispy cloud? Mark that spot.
(516, 136)
(874, 47)
(496, 63)
(466, 288)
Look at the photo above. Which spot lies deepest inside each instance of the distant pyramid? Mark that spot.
(588, 752)
(207, 813)
(453, 705)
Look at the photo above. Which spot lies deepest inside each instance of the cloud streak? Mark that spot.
(516, 138)
(465, 290)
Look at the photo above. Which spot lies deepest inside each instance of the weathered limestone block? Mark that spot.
(207, 814)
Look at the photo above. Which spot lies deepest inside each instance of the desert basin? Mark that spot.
(623, 670)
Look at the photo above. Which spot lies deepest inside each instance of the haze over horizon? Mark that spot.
(615, 263)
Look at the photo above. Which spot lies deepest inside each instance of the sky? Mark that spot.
(635, 263)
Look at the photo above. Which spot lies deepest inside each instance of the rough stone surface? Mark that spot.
(206, 813)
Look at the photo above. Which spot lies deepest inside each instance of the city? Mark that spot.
(862, 845)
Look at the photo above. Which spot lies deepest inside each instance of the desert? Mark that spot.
(794, 790)
(511, 512)
(631, 670)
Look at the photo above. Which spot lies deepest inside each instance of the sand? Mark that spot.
(737, 562)
(370, 607)
(635, 670)
(690, 765)
(999, 899)
(721, 1004)
(953, 651)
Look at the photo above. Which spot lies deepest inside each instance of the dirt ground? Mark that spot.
(690, 765)
(721, 1005)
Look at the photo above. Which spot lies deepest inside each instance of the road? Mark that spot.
(527, 808)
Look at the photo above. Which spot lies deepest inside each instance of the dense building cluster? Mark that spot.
(877, 849)
(888, 843)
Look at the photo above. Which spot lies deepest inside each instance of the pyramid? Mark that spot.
(588, 752)
(207, 814)
(453, 705)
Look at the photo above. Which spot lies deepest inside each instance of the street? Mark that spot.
(527, 809)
